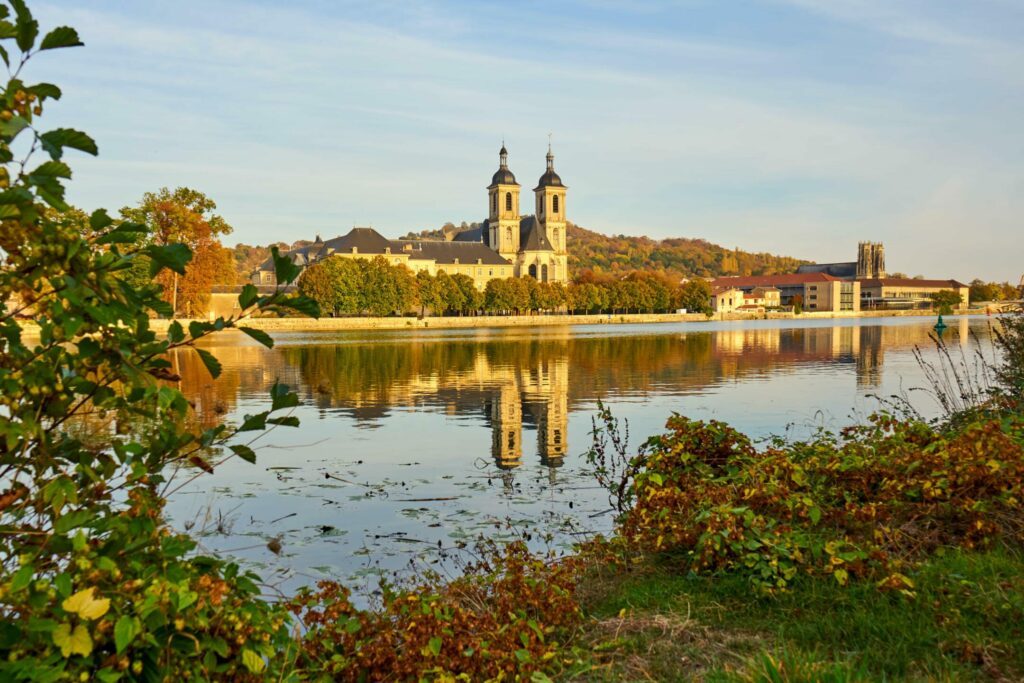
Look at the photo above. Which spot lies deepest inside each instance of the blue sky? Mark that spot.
(791, 126)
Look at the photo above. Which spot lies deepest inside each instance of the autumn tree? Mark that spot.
(428, 292)
(452, 296)
(186, 216)
(946, 300)
(472, 298)
(500, 296)
(320, 283)
(694, 296)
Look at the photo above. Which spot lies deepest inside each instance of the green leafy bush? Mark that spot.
(865, 503)
(93, 583)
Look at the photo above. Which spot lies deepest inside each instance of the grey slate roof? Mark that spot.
(365, 240)
(302, 256)
(549, 179)
(502, 176)
(841, 270)
(532, 237)
(448, 252)
(480, 235)
(469, 247)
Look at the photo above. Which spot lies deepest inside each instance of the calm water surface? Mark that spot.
(413, 443)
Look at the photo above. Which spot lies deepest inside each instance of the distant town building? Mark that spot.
(815, 291)
(725, 299)
(506, 245)
(877, 290)
(892, 293)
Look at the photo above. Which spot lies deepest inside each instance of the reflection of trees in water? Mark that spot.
(210, 398)
(366, 380)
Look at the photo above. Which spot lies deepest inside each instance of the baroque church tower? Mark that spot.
(533, 245)
(503, 219)
(550, 195)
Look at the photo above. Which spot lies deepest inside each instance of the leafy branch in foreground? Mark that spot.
(92, 580)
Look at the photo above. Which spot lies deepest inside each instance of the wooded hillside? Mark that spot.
(589, 250)
(681, 256)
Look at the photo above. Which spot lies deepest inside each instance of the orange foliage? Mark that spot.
(504, 619)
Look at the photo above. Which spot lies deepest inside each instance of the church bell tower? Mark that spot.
(503, 214)
(550, 198)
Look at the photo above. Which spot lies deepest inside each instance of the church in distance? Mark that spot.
(505, 245)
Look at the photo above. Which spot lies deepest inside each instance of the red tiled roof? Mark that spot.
(784, 279)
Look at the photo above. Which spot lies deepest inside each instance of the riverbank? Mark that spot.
(960, 624)
(466, 322)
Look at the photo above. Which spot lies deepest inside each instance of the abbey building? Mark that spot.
(534, 245)
(506, 244)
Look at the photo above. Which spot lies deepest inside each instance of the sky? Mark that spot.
(797, 127)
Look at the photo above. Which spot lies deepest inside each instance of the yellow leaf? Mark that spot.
(85, 605)
(77, 642)
(841, 576)
(252, 661)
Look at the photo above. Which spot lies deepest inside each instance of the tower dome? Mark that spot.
(550, 178)
(503, 176)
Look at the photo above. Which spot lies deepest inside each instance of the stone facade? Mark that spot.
(870, 260)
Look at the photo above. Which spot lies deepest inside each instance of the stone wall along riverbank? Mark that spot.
(411, 323)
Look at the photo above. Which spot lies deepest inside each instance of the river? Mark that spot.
(412, 443)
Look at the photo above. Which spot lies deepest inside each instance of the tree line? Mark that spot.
(358, 286)
(994, 291)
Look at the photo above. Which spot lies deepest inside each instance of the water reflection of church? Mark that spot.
(541, 392)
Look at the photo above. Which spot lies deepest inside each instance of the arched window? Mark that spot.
(544, 273)
(533, 271)
(494, 203)
(508, 201)
(554, 236)
(554, 204)
(508, 235)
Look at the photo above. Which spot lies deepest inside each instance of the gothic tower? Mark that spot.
(870, 260)
(550, 197)
(503, 215)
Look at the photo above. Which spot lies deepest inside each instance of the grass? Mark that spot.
(966, 622)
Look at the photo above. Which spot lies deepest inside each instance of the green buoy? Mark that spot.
(940, 326)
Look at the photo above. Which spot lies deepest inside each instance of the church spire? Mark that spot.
(503, 156)
(550, 157)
